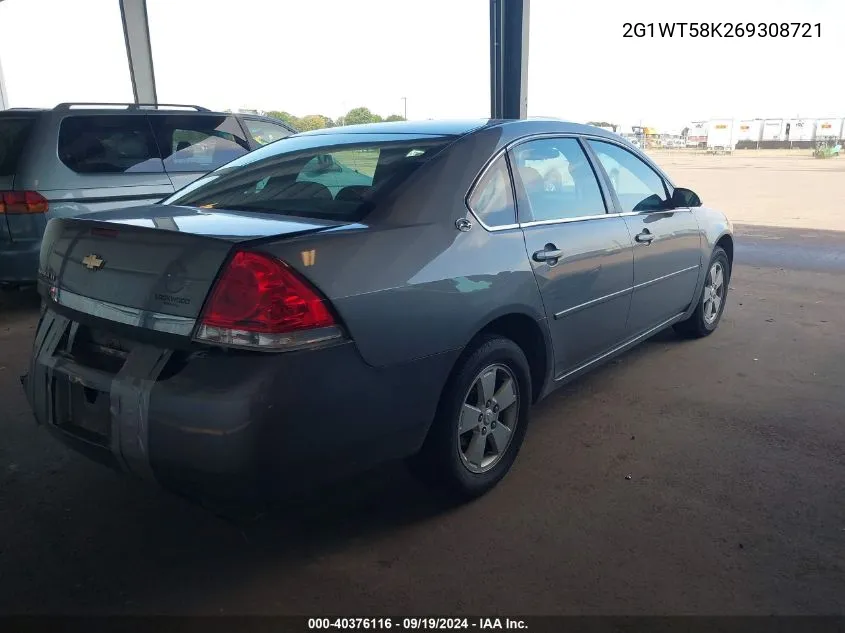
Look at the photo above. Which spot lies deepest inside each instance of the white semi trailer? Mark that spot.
(829, 129)
(720, 135)
(772, 130)
(799, 130)
(750, 131)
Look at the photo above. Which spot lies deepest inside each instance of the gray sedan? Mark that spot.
(360, 294)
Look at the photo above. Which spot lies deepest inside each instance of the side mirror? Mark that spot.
(685, 198)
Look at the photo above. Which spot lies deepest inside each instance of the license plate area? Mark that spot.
(99, 350)
(82, 410)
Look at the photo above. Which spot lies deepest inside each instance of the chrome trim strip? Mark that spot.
(587, 304)
(636, 339)
(580, 218)
(503, 227)
(656, 279)
(600, 216)
(157, 321)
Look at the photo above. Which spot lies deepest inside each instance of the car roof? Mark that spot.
(447, 127)
(460, 127)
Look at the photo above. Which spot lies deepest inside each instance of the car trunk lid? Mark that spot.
(151, 266)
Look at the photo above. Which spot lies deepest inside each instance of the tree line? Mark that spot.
(318, 121)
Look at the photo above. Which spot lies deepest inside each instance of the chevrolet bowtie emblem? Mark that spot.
(93, 262)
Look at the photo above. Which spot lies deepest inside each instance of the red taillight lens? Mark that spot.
(261, 302)
(22, 202)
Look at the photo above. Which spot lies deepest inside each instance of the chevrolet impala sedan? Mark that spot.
(360, 294)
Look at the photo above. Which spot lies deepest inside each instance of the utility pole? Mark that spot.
(405, 100)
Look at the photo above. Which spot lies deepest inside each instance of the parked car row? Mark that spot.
(347, 296)
(80, 158)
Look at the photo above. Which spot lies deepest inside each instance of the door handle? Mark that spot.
(645, 237)
(550, 254)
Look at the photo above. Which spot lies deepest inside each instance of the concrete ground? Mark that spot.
(764, 187)
(735, 445)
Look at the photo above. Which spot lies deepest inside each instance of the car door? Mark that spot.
(580, 252)
(192, 145)
(667, 241)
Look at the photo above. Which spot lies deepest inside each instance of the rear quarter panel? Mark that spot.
(408, 284)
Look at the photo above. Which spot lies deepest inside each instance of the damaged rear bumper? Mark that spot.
(213, 423)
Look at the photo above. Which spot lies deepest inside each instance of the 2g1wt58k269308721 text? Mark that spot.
(721, 29)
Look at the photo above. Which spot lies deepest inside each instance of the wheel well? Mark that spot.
(525, 332)
(727, 243)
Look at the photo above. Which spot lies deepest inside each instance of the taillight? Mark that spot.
(260, 302)
(22, 202)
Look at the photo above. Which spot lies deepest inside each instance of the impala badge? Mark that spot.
(93, 262)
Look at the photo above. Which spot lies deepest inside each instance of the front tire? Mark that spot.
(711, 301)
(480, 422)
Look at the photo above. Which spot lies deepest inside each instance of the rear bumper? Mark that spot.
(217, 424)
(19, 261)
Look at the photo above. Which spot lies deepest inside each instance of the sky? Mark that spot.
(328, 56)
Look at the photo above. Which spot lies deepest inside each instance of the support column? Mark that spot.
(4, 99)
(139, 53)
(509, 58)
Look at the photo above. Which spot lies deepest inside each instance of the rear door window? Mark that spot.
(265, 132)
(111, 144)
(14, 132)
(198, 143)
(555, 181)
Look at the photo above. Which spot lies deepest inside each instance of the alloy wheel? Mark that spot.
(488, 418)
(714, 293)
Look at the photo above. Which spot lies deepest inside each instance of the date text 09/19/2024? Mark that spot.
(721, 29)
(416, 624)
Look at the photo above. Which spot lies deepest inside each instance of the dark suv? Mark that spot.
(79, 157)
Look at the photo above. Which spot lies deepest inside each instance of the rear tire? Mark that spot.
(480, 422)
(711, 302)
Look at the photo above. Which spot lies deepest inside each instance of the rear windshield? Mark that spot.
(112, 144)
(13, 134)
(333, 176)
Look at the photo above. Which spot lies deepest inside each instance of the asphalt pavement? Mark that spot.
(686, 477)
